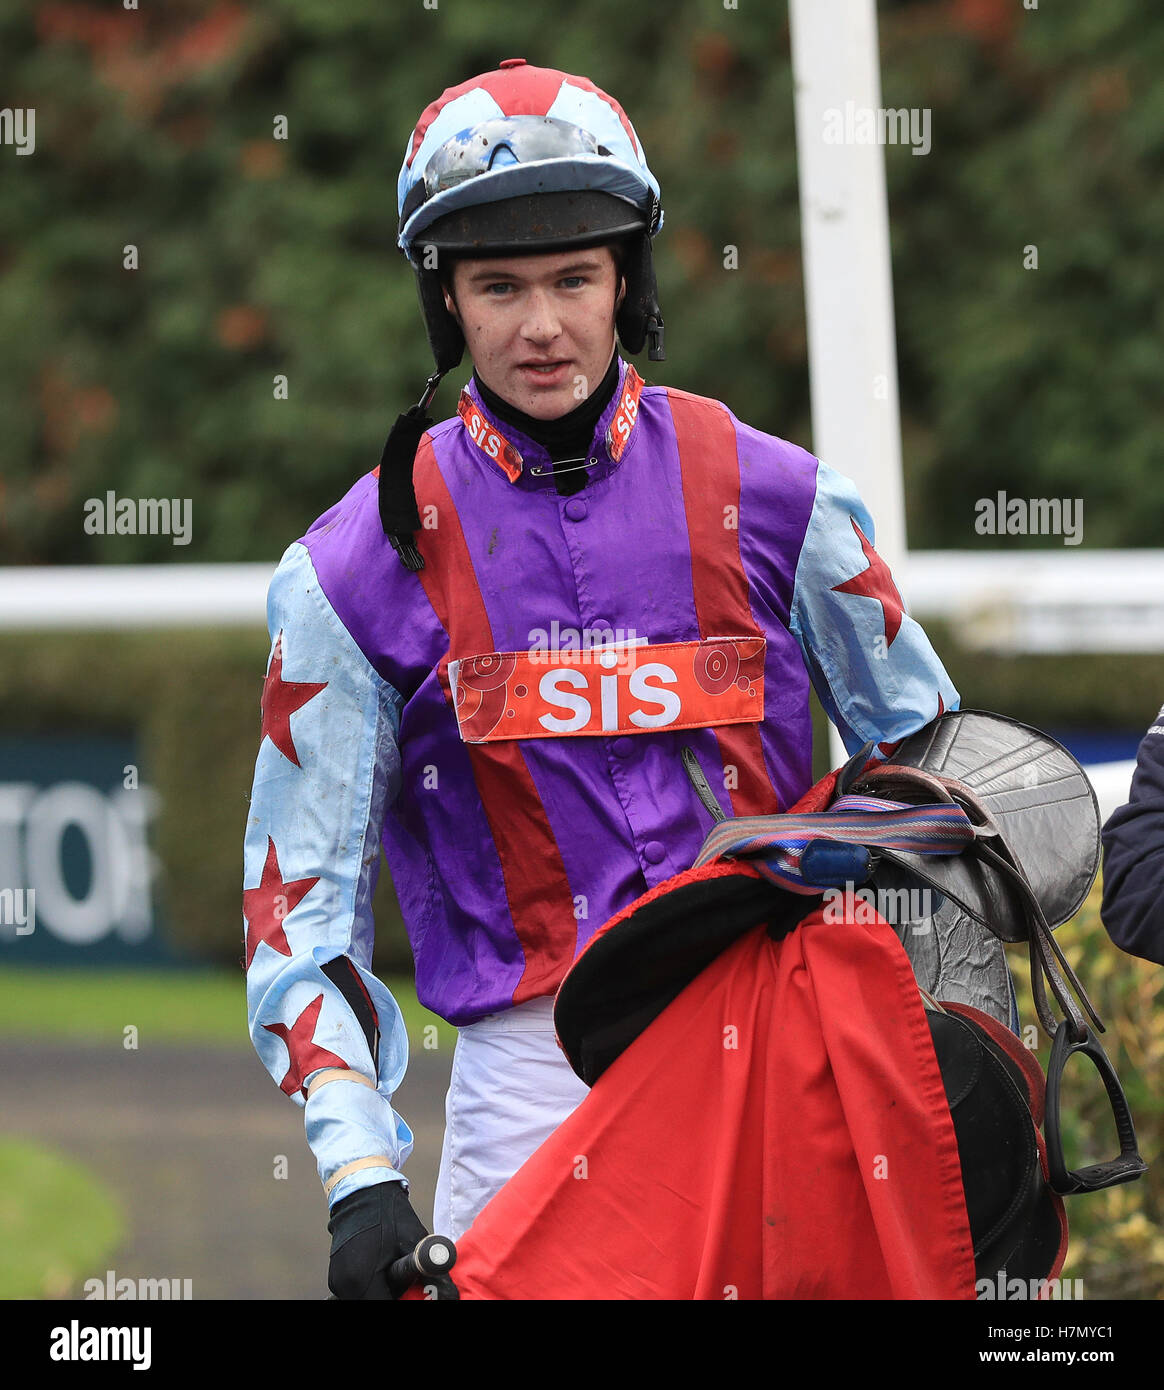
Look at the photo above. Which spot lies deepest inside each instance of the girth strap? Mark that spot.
(776, 844)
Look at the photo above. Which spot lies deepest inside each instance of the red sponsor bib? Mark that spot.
(620, 688)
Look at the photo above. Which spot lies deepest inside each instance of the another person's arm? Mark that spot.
(1133, 857)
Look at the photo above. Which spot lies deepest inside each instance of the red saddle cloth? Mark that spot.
(780, 1131)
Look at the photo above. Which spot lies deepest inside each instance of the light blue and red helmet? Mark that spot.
(527, 160)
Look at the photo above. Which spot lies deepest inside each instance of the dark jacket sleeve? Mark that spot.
(1133, 857)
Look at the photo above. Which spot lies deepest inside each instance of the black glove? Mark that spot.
(369, 1230)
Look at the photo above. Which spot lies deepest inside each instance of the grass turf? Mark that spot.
(57, 1222)
(177, 1006)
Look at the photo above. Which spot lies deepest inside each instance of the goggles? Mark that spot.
(503, 141)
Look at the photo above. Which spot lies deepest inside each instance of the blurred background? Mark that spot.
(166, 259)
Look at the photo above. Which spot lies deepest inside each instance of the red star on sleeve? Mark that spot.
(875, 582)
(280, 701)
(266, 906)
(305, 1055)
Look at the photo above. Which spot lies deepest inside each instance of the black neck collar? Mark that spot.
(570, 435)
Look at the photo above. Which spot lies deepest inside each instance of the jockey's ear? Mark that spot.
(617, 250)
(447, 273)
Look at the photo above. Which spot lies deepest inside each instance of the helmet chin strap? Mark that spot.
(430, 390)
(397, 496)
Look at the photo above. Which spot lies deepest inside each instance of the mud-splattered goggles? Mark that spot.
(503, 141)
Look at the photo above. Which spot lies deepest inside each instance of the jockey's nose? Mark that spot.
(541, 322)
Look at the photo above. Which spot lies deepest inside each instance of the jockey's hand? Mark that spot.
(369, 1230)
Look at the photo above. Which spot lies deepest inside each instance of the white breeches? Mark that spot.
(510, 1088)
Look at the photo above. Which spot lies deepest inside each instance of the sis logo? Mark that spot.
(620, 689)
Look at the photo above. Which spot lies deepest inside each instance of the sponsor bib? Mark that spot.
(620, 688)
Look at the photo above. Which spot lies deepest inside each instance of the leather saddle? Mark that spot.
(1028, 867)
(1034, 857)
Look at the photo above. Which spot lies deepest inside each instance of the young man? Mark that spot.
(530, 657)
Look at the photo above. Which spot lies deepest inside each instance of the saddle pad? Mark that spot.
(779, 1131)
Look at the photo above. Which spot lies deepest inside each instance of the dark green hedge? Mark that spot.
(262, 256)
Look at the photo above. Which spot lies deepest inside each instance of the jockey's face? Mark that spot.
(540, 329)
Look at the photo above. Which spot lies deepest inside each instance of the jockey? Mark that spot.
(533, 656)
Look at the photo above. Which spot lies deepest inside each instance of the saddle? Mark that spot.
(1013, 852)
(1034, 857)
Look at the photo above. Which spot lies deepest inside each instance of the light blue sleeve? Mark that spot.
(327, 769)
(871, 664)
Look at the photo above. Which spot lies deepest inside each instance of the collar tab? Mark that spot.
(488, 438)
(614, 428)
(618, 432)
